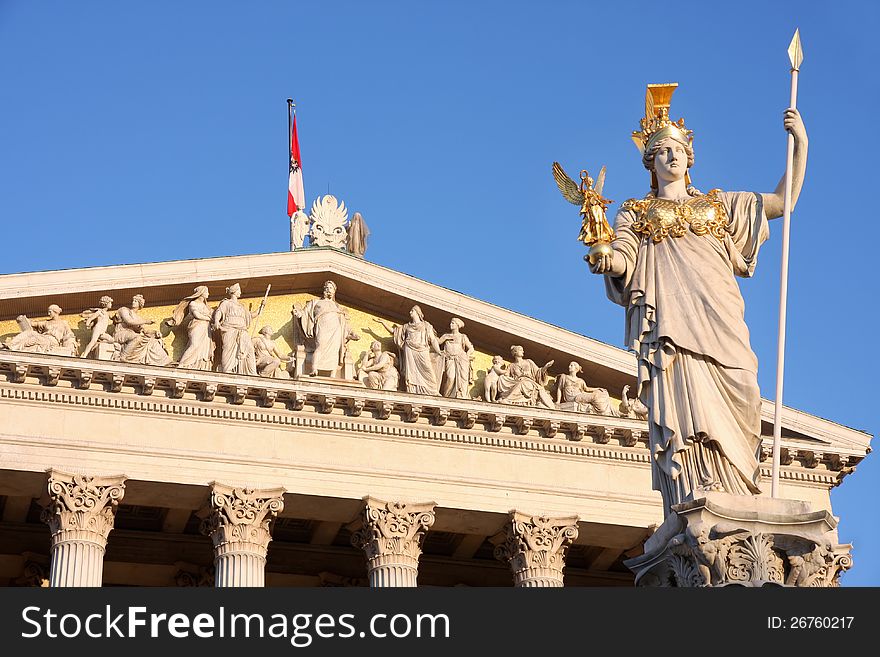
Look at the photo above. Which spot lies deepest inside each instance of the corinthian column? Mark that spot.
(239, 523)
(391, 535)
(534, 546)
(80, 516)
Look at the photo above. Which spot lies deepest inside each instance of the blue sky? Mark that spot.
(136, 132)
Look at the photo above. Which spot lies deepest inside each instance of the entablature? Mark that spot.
(341, 406)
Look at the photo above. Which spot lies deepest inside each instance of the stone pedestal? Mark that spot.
(722, 539)
(296, 366)
(104, 351)
(535, 546)
(80, 516)
(391, 534)
(239, 522)
(346, 370)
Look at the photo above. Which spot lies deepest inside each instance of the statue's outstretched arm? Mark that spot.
(774, 202)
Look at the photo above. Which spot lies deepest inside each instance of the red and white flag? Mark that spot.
(296, 198)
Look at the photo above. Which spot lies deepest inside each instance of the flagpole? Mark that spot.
(290, 111)
(795, 54)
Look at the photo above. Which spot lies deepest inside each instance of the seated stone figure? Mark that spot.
(137, 343)
(266, 353)
(377, 369)
(573, 393)
(632, 407)
(53, 336)
(523, 382)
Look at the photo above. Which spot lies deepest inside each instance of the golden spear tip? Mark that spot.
(795, 52)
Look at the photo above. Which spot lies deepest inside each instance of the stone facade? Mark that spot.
(319, 481)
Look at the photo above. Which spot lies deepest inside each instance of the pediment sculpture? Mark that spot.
(50, 336)
(329, 223)
(222, 339)
(322, 332)
(573, 394)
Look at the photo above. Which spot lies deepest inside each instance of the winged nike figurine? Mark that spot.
(595, 230)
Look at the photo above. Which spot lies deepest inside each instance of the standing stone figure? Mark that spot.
(268, 358)
(420, 355)
(138, 343)
(299, 229)
(673, 268)
(377, 370)
(325, 323)
(97, 319)
(52, 336)
(356, 242)
(458, 373)
(194, 312)
(571, 389)
(231, 321)
(523, 383)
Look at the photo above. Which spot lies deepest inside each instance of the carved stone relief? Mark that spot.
(723, 540)
(631, 407)
(535, 546)
(268, 357)
(329, 223)
(377, 369)
(573, 394)
(321, 334)
(51, 336)
(522, 383)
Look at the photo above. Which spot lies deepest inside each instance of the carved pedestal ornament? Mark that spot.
(391, 534)
(80, 515)
(723, 540)
(239, 522)
(535, 546)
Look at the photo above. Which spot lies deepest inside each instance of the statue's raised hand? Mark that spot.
(794, 123)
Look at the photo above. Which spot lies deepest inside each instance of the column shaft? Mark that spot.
(76, 562)
(392, 570)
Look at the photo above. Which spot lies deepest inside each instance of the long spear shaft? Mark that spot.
(795, 54)
(260, 310)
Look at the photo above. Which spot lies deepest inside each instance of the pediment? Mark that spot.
(370, 292)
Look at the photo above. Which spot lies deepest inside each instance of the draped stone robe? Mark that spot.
(236, 347)
(697, 372)
(325, 321)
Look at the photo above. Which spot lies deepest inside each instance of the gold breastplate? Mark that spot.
(659, 218)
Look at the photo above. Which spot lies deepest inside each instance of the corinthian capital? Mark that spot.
(242, 515)
(393, 528)
(535, 545)
(82, 503)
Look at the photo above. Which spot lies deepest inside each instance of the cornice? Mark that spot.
(324, 405)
